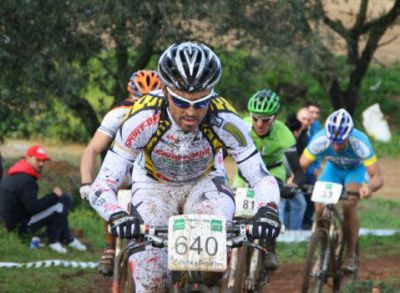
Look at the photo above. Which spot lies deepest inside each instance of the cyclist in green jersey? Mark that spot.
(276, 144)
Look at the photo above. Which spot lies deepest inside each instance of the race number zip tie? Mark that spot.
(50, 263)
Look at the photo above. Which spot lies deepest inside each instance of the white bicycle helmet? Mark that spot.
(338, 126)
(189, 67)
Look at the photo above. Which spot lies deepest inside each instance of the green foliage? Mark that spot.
(391, 149)
(381, 85)
(90, 223)
(53, 279)
(384, 217)
(367, 286)
(85, 222)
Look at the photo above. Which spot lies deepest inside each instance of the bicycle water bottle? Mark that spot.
(35, 242)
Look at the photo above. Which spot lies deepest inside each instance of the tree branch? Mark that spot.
(362, 14)
(82, 109)
(385, 20)
(388, 41)
(335, 25)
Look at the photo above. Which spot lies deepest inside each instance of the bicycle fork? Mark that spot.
(327, 253)
(253, 266)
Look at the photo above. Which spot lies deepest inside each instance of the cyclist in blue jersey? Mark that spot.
(351, 161)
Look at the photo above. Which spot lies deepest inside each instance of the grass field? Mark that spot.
(87, 224)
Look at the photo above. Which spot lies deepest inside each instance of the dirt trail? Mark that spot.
(288, 277)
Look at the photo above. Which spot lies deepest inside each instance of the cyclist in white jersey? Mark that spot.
(178, 133)
(140, 83)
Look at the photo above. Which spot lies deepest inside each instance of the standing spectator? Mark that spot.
(315, 112)
(22, 210)
(304, 116)
(315, 168)
(294, 125)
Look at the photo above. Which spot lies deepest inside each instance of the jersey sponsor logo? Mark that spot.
(139, 129)
(318, 145)
(193, 155)
(172, 138)
(344, 161)
(360, 148)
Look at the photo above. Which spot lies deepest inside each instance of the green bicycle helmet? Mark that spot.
(264, 102)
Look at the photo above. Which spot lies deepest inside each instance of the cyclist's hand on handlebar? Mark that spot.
(365, 191)
(124, 226)
(266, 223)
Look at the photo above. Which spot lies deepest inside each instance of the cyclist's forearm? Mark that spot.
(103, 194)
(375, 183)
(375, 174)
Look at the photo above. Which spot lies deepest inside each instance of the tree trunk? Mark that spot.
(82, 109)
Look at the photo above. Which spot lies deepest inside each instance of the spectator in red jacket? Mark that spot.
(22, 210)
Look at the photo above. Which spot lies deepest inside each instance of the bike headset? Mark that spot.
(189, 67)
(338, 126)
(264, 102)
(142, 82)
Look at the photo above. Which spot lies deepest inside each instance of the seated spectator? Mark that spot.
(22, 210)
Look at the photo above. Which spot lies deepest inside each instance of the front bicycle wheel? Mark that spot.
(122, 280)
(314, 276)
(237, 270)
(344, 279)
(257, 275)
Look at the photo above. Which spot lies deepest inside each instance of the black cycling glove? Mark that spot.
(266, 224)
(124, 226)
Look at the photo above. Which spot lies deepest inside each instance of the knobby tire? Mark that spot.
(313, 280)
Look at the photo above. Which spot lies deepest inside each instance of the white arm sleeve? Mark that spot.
(104, 189)
(131, 137)
(265, 186)
(236, 137)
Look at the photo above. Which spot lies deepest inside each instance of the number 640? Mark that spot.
(182, 245)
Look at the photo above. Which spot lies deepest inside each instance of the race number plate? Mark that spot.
(197, 243)
(244, 199)
(124, 198)
(326, 192)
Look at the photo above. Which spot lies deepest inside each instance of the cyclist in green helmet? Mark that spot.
(276, 144)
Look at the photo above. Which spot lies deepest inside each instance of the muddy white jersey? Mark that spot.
(175, 157)
(113, 119)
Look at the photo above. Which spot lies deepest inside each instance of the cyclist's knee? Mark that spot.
(350, 204)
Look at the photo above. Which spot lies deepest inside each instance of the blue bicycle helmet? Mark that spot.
(338, 126)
